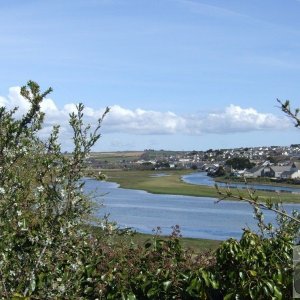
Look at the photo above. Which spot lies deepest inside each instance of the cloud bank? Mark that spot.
(232, 119)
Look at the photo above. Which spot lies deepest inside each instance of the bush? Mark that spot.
(46, 251)
(42, 206)
(49, 250)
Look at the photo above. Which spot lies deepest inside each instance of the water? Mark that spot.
(198, 217)
(200, 178)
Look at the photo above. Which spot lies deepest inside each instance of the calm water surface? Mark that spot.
(198, 217)
(200, 178)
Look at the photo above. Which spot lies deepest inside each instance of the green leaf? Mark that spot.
(229, 296)
(131, 296)
(252, 273)
(152, 292)
(32, 284)
(167, 284)
(269, 285)
(205, 277)
(241, 274)
(277, 293)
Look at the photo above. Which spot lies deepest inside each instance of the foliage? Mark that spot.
(194, 167)
(46, 252)
(159, 270)
(257, 266)
(49, 252)
(239, 163)
(42, 205)
(260, 265)
(219, 172)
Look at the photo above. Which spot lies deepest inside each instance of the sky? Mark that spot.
(176, 74)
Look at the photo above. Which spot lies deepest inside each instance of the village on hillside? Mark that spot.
(277, 162)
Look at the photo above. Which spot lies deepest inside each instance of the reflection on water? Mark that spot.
(200, 178)
(198, 217)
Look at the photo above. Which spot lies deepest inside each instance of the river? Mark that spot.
(200, 178)
(198, 217)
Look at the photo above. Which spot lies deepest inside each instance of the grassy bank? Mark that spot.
(172, 184)
(196, 245)
(258, 180)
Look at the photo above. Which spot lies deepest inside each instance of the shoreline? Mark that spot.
(273, 184)
(174, 185)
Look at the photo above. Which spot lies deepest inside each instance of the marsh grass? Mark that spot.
(173, 184)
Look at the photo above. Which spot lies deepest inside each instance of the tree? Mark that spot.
(239, 163)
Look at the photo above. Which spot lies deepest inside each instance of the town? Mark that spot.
(279, 162)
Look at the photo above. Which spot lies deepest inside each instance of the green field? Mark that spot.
(172, 184)
(115, 157)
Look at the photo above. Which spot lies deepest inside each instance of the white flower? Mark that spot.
(62, 193)
(2, 190)
(40, 189)
(48, 241)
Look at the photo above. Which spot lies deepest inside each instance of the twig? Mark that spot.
(254, 202)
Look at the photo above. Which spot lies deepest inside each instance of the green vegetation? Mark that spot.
(49, 250)
(260, 180)
(140, 239)
(172, 184)
(115, 157)
(239, 163)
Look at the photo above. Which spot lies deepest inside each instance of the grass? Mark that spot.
(172, 184)
(116, 157)
(197, 245)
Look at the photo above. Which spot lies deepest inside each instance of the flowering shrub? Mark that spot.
(42, 206)
(47, 250)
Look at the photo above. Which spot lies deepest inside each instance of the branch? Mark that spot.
(253, 202)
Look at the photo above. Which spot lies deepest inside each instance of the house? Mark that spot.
(254, 172)
(291, 174)
(275, 171)
(269, 171)
(296, 165)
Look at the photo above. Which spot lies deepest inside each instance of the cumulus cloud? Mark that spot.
(147, 122)
(140, 121)
(232, 119)
(237, 119)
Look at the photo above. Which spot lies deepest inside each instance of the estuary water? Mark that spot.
(198, 217)
(200, 178)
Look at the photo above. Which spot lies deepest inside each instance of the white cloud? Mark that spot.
(3, 101)
(147, 122)
(237, 119)
(232, 119)
(49, 105)
(140, 121)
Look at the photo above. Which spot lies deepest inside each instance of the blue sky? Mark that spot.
(177, 74)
